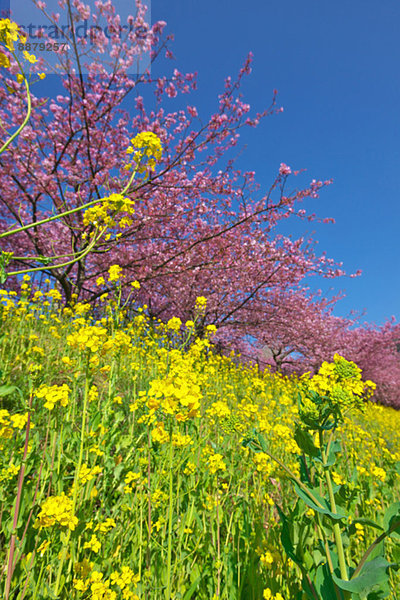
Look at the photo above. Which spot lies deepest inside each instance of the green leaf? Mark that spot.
(364, 521)
(324, 582)
(307, 589)
(335, 447)
(304, 470)
(390, 517)
(305, 442)
(117, 471)
(6, 390)
(374, 574)
(324, 508)
(251, 443)
(318, 557)
(188, 595)
(396, 553)
(262, 441)
(286, 538)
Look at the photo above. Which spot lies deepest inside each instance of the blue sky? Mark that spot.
(335, 66)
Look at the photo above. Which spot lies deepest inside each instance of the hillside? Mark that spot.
(149, 469)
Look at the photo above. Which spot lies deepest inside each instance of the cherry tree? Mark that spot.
(376, 350)
(187, 212)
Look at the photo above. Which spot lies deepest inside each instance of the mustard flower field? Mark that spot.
(130, 467)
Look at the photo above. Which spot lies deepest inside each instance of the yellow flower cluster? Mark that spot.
(90, 337)
(86, 474)
(100, 589)
(336, 388)
(268, 595)
(56, 509)
(93, 544)
(149, 150)
(114, 273)
(266, 559)
(93, 393)
(341, 374)
(54, 294)
(53, 394)
(4, 60)
(190, 468)
(131, 479)
(6, 431)
(179, 392)
(216, 463)
(105, 212)
(30, 57)
(19, 421)
(158, 497)
(337, 478)
(218, 410)
(201, 303)
(263, 464)
(211, 329)
(360, 531)
(125, 577)
(174, 324)
(105, 526)
(158, 434)
(180, 440)
(9, 472)
(378, 472)
(119, 341)
(9, 33)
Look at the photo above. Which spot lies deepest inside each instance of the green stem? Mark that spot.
(336, 526)
(218, 546)
(66, 213)
(141, 536)
(49, 219)
(39, 581)
(376, 542)
(293, 476)
(75, 484)
(148, 552)
(28, 114)
(10, 568)
(77, 257)
(327, 552)
(171, 453)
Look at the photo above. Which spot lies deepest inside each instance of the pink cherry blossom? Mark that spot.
(284, 169)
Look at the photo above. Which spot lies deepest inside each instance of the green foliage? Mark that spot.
(320, 551)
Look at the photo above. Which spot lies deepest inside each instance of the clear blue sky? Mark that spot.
(335, 66)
